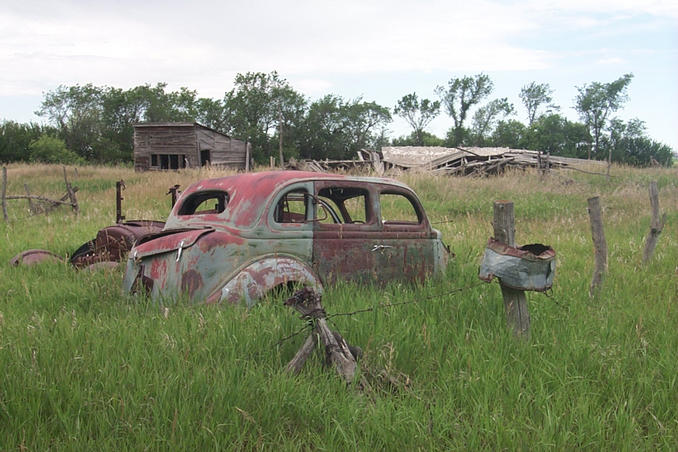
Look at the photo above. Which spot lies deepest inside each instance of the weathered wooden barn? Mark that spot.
(175, 145)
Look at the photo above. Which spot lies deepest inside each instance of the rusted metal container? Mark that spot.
(529, 267)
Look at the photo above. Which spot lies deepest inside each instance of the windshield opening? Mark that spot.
(206, 202)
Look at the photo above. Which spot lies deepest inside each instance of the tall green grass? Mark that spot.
(85, 367)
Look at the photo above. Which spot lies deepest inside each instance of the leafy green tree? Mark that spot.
(76, 112)
(365, 119)
(556, 134)
(325, 129)
(629, 144)
(459, 96)
(534, 96)
(290, 108)
(417, 113)
(212, 113)
(15, 140)
(426, 139)
(596, 101)
(49, 149)
(486, 117)
(336, 129)
(260, 103)
(509, 133)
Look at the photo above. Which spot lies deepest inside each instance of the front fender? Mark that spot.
(259, 277)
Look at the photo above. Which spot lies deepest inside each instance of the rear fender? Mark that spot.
(258, 278)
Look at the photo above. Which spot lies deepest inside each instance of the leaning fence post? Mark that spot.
(71, 194)
(4, 193)
(309, 304)
(656, 225)
(599, 244)
(515, 302)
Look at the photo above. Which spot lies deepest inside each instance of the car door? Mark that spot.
(405, 249)
(346, 231)
(349, 241)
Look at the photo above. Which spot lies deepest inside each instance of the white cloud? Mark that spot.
(611, 60)
(132, 43)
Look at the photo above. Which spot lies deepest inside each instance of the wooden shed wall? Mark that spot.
(164, 140)
(186, 140)
(224, 151)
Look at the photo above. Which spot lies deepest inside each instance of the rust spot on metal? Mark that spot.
(32, 257)
(112, 243)
(190, 282)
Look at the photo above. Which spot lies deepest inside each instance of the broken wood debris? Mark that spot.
(471, 161)
(327, 166)
(337, 351)
(35, 208)
(458, 161)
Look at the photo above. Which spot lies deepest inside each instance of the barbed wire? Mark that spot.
(309, 324)
(296, 333)
(401, 303)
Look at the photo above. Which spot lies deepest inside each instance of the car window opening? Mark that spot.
(348, 205)
(397, 208)
(203, 203)
(292, 207)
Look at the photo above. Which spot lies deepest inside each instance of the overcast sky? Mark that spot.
(380, 50)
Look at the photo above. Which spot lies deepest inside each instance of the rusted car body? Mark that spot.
(236, 238)
(112, 243)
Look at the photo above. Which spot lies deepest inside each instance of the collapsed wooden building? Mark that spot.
(176, 145)
(458, 161)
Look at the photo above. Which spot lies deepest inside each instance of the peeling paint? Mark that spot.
(258, 241)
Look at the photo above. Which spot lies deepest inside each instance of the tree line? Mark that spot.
(87, 123)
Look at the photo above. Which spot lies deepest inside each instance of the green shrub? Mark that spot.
(49, 149)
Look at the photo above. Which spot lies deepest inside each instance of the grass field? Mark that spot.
(84, 367)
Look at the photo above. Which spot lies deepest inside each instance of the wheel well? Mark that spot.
(283, 290)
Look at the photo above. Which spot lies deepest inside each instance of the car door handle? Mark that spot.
(380, 247)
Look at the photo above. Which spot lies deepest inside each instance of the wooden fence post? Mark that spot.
(599, 244)
(248, 151)
(71, 194)
(119, 187)
(338, 352)
(657, 224)
(4, 193)
(515, 302)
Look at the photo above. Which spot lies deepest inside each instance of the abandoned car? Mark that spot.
(236, 238)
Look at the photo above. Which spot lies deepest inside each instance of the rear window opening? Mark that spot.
(348, 205)
(397, 208)
(207, 202)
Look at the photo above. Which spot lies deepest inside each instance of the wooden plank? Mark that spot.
(295, 365)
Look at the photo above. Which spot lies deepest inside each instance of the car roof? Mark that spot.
(249, 192)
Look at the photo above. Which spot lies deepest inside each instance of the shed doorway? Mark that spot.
(205, 158)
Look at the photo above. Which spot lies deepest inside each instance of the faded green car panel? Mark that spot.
(266, 229)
